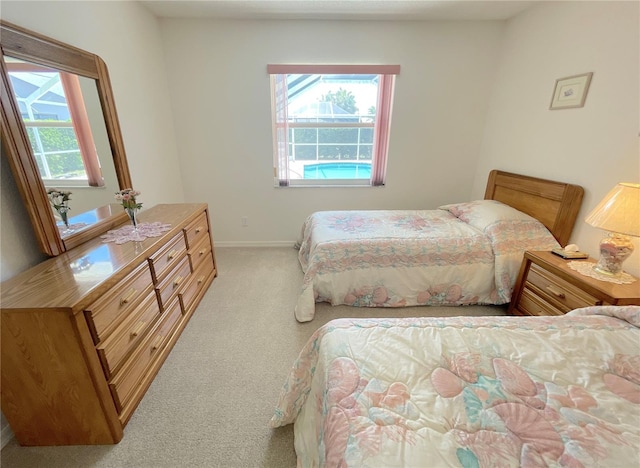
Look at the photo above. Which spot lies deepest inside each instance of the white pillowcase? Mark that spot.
(483, 213)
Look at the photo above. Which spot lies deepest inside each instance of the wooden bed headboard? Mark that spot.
(554, 204)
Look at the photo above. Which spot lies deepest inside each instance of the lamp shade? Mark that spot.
(619, 211)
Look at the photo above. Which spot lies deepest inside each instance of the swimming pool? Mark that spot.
(338, 170)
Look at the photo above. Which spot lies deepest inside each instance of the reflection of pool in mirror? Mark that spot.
(94, 266)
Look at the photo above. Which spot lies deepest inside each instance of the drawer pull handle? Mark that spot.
(172, 254)
(156, 343)
(136, 331)
(130, 294)
(200, 280)
(198, 229)
(201, 253)
(177, 281)
(555, 292)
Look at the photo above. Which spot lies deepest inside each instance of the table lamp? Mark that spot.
(618, 213)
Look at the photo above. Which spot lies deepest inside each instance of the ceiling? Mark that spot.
(340, 9)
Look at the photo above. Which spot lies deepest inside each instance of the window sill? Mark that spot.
(328, 184)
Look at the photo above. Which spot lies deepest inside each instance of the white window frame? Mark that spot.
(279, 101)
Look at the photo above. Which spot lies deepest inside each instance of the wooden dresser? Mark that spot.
(85, 333)
(547, 286)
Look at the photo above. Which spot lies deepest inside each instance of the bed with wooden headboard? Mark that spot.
(554, 204)
(457, 254)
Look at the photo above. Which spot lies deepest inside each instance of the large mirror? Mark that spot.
(61, 134)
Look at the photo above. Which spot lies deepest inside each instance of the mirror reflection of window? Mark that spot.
(53, 111)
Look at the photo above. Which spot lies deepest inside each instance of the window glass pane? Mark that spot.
(43, 107)
(365, 152)
(304, 135)
(330, 120)
(56, 152)
(65, 165)
(344, 170)
(304, 153)
(344, 107)
(366, 135)
(58, 139)
(337, 135)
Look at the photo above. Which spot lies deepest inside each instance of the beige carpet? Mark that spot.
(211, 403)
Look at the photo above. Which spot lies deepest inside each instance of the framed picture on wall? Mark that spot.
(571, 91)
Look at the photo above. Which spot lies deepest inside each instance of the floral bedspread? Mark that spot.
(469, 392)
(398, 258)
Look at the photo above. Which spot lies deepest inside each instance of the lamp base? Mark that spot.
(614, 250)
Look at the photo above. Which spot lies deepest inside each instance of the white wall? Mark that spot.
(127, 37)
(221, 102)
(596, 146)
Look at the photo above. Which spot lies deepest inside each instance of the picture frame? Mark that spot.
(570, 92)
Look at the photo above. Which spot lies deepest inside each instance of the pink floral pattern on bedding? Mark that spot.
(468, 391)
(372, 411)
(538, 419)
(351, 222)
(418, 257)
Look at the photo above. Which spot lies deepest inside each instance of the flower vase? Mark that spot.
(64, 215)
(132, 212)
(133, 217)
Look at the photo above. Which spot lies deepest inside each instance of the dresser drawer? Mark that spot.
(554, 290)
(530, 304)
(162, 261)
(124, 385)
(200, 252)
(197, 282)
(128, 335)
(174, 282)
(195, 231)
(105, 314)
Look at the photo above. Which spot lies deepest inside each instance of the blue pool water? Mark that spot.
(338, 170)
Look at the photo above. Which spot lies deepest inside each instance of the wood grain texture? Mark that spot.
(25, 171)
(24, 44)
(554, 204)
(79, 348)
(43, 370)
(54, 284)
(547, 283)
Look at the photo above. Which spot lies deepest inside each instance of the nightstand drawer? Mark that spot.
(554, 290)
(548, 285)
(531, 304)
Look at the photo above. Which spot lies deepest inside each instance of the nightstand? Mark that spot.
(547, 286)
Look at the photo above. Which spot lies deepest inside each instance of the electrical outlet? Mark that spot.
(245, 221)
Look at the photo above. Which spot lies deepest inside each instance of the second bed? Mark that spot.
(463, 253)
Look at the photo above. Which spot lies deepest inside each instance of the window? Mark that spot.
(331, 123)
(54, 114)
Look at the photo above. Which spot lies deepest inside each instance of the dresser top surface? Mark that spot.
(89, 270)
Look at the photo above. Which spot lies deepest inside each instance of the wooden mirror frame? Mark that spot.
(24, 44)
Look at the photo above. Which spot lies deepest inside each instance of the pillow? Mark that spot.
(483, 213)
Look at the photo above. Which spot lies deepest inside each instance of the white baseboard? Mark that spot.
(5, 436)
(217, 244)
